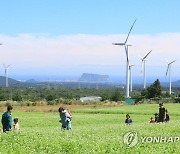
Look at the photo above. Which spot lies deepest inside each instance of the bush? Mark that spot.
(117, 96)
(17, 97)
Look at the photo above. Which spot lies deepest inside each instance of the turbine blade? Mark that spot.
(141, 67)
(167, 70)
(147, 54)
(5, 72)
(126, 50)
(172, 62)
(129, 32)
(119, 44)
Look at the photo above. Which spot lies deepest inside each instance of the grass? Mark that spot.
(95, 130)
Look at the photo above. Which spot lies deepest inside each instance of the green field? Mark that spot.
(95, 130)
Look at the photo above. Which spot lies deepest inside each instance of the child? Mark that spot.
(128, 120)
(152, 120)
(156, 117)
(16, 124)
(68, 110)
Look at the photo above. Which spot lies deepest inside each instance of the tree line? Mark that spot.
(20, 94)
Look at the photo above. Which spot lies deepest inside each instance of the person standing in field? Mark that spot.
(65, 118)
(7, 119)
(162, 113)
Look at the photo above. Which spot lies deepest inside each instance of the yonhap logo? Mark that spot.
(130, 139)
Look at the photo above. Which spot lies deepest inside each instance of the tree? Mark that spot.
(154, 90)
(117, 96)
(50, 97)
(144, 93)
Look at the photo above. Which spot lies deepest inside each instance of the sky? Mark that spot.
(49, 39)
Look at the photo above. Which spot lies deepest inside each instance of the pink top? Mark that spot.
(16, 126)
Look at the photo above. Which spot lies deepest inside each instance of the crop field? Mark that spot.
(95, 130)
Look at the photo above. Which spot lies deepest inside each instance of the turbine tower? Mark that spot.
(143, 67)
(6, 73)
(127, 62)
(169, 69)
(130, 67)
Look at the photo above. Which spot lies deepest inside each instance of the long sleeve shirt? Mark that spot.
(6, 121)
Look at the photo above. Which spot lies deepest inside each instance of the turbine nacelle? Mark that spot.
(131, 66)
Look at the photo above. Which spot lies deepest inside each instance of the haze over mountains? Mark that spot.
(85, 77)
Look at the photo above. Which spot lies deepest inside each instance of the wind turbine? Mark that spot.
(6, 73)
(127, 62)
(130, 66)
(143, 66)
(169, 69)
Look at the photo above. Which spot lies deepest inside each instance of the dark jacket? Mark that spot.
(6, 121)
(128, 121)
(162, 112)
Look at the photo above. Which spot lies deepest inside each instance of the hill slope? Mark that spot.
(11, 82)
(86, 77)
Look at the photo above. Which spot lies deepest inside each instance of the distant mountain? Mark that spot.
(176, 83)
(86, 77)
(31, 81)
(11, 82)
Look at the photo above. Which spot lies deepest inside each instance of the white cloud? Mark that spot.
(44, 51)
